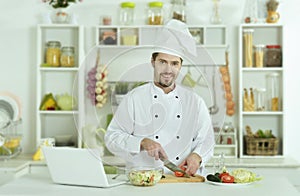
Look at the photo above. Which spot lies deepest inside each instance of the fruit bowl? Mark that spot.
(144, 176)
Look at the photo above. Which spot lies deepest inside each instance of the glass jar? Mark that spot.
(178, 10)
(53, 53)
(127, 13)
(273, 91)
(273, 56)
(259, 51)
(67, 56)
(260, 99)
(248, 47)
(155, 13)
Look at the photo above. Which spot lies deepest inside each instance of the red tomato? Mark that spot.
(223, 174)
(227, 179)
(178, 174)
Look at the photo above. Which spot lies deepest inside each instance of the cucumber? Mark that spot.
(213, 178)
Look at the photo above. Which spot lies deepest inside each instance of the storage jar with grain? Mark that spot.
(67, 56)
(53, 53)
(273, 91)
(155, 13)
(248, 47)
(259, 51)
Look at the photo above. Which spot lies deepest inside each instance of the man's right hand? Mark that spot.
(153, 149)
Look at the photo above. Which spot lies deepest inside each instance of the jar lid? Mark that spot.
(274, 74)
(68, 48)
(274, 46)
(259, 46)
(156, 4)
(248, 30)
(127, 5)
(53, 43)
(261, 89)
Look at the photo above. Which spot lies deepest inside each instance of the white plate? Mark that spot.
(229, 184)
(13, 105)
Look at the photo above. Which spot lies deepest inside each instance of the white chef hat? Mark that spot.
(175, 38)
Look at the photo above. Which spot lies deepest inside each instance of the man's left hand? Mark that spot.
(192, 163)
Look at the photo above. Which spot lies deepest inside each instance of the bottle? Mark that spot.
(127, 13)
(261, 100)
(67, 56)
(155, 13)
(53, 53)
(178, 10)
(259, 55)
(273, 91)
(248, 47)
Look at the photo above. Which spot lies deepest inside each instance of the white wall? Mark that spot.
(18, 19)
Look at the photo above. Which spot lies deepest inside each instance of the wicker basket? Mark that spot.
(261, 146)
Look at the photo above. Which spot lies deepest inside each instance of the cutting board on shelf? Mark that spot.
(169, 178)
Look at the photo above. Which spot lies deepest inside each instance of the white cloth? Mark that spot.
(179, 121)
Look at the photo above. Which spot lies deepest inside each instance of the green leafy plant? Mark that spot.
(61, 3)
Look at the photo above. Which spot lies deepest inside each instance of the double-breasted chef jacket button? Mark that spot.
(176, 97)
(156, 137)
(156, 115)
(177, 137)
(155, 96)
(178, 116)
(177, 158)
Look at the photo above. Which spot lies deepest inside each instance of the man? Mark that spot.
(161, 119)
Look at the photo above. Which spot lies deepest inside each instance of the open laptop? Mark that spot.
(75, 166)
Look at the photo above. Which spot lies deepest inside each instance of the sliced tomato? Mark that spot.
(227, 179)
(223, 174)
(178, 174)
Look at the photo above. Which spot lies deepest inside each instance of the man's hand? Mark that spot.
(192, 163)
(153, 148)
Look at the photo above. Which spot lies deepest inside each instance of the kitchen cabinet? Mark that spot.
(63, 125)
(125, 50)
(253, 75)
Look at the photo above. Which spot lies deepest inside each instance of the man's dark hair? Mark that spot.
(154, 55)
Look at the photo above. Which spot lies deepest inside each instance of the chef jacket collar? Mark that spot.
(158, 90)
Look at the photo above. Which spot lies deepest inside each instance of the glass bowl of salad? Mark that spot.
(142, 176)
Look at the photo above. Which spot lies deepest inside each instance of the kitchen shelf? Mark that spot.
(256, 77)
(58, 81)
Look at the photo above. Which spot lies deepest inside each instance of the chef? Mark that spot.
(162, 119)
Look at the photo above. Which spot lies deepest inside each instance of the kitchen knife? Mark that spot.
(171, 166)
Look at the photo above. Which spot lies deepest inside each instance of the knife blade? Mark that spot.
(171, 166)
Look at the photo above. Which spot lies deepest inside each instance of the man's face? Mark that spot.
(166, 69)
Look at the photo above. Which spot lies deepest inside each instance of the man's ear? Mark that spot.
(152, 62)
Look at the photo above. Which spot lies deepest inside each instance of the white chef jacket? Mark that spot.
(179, 121)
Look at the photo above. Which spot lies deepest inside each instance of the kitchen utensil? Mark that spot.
(171, 166)
(214, 108)
(169, 178)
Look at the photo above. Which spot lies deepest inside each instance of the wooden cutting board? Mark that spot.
(169, 178)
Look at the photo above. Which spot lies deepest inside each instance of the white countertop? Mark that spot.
(40, 183)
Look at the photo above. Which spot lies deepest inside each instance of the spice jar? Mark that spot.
(178, 10)
(155, 13)
(127, 13)
(259, 55)
(273, 91)
(248, 47)
(261, 100)
(67, 56)
(273, 56)
(53, 53)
